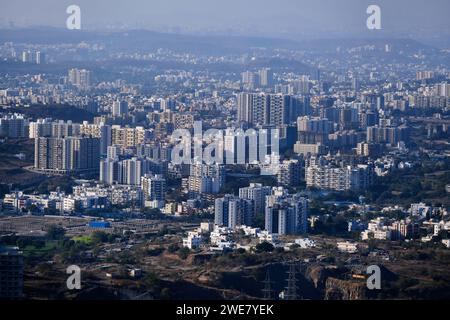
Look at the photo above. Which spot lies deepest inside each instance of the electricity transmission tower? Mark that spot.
(291, 289)
(267, 291)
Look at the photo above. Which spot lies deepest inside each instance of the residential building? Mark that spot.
(286, 214)
(154, 189)
(67, 155)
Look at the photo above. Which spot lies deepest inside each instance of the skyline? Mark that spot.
(294, 19)
(201, 150)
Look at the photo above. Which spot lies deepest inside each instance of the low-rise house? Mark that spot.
(347, 246)
(266, 236)
(193, 240)
(305, 243)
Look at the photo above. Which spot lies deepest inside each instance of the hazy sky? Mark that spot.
(263, 17)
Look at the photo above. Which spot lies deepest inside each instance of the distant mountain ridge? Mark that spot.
(150, 40)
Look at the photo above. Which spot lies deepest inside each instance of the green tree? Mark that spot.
(99, 237)
(183, 253)
(172, 248)
(165, 293)
(55, 232)
(264, 247)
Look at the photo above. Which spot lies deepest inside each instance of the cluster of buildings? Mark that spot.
(80, 78)
(150, 192)
(129, 170)
(285, 214)
(204, 179)
(109, 135)
(337, 128)
(328, 175)
(33, 56)
(55, 202)
(216, 238)
(262, 78)
(333, 131)
(67, 155)
(14, 126)
(418, 219)
(398, 230)
(270, 109)
(420, 222)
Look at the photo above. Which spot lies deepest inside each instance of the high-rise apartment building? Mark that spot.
(442, 89)
(265, 77)
(57, 129)
(250, 79)
(270, 109)
(101, 131)
(288, 174)
(80, 78)
(205, 178)
(386, 134)
(129, 171)
(232, 211)
(329, 177)
(119, 108)
(14, 126)
(39, 57)
(286, 214)
(253, 108)
(67, 155)
(312, 130)
(256, 192)
(154, 189)
(40, 128)
(128, 137)
(109, 171)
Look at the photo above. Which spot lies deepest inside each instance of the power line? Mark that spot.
(291, 289)
(267, 291)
